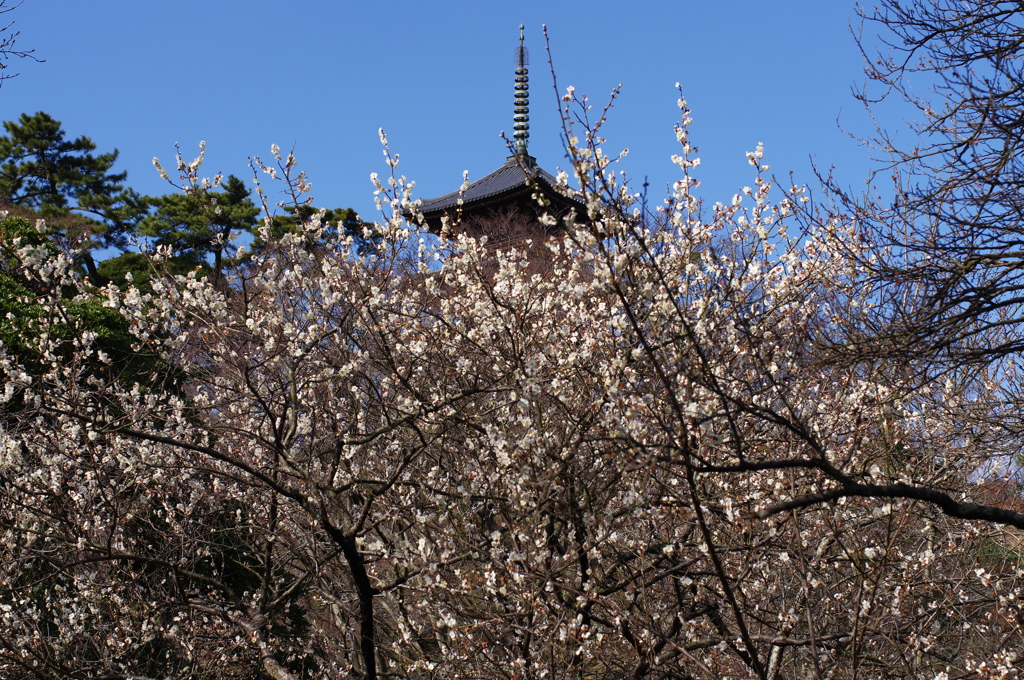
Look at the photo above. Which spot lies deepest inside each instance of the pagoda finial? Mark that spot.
(522, 109)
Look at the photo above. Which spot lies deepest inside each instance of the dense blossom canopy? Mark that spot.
(650, 457)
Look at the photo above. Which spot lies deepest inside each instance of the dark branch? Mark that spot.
(945, 502)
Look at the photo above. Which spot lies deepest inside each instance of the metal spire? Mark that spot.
(522, 109)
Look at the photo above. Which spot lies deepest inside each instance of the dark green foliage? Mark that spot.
(136, 269)
(42, 170)
(344, 219)
(19, 305)
(201, 224)
(28, 305)
(127, 269)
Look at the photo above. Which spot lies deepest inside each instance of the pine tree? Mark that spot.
(42, 170)
(198, 225)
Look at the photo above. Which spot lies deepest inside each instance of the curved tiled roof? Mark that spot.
(508, 177)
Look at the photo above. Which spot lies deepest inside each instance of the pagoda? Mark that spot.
(507, 204)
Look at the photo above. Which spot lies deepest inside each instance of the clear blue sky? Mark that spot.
(140, 75)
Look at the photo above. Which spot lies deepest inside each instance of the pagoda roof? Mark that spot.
(515, 181)
(509, 177)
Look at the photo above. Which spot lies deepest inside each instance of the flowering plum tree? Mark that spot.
(643, 461)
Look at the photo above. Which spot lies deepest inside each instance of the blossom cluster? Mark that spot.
(644, 459)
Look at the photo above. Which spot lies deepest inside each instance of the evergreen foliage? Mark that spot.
(343, 221)
(43, 170)
(201, 224)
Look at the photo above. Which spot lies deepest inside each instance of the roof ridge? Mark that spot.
(510, 175)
